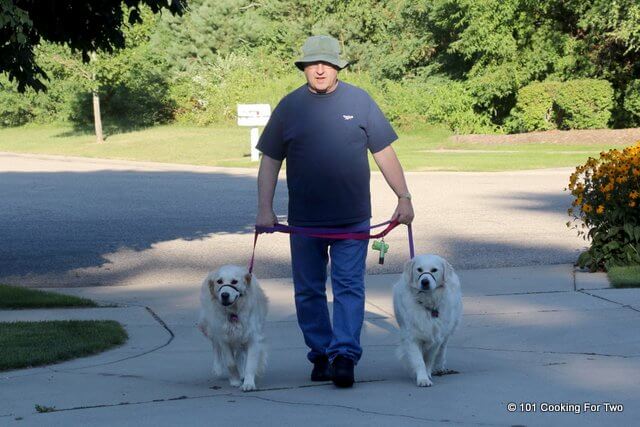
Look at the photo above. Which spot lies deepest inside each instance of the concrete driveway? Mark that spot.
(533, 336)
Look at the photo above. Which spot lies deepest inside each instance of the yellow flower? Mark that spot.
(587, 208)
(632, 203)
(600, 209)
(634, 194)
(621, 180)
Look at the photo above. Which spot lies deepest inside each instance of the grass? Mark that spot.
(625, 277)
(425, 149)
(29, 344)
(15, 297)
(227, 146)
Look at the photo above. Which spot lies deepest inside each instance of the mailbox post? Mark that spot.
(254, 115)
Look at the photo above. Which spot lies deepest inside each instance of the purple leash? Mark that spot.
(331, 233)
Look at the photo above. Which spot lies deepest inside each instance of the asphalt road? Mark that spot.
(73, 222)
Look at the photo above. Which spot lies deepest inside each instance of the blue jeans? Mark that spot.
(309, 258)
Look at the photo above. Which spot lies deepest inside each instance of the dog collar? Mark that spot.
(434, 311)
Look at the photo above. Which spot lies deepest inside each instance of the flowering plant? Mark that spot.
(607, 203)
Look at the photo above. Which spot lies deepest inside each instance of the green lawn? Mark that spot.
(420, 150)
(15, 297)
(28, 344)
(625, 277)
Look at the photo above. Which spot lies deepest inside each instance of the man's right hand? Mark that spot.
(266, 218)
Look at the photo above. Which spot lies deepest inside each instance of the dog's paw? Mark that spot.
(423, 381)
(248, 386)
(235, 382)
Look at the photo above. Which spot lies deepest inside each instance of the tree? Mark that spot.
(85, 27)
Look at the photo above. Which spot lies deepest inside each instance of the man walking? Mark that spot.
(324, 129)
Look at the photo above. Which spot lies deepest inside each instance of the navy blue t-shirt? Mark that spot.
(325, 138)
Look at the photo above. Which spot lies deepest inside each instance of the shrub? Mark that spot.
(534, 108)
(632, 100)
(17, 109)
(208, 94)
(410, 103)
(584, 104)
(133, 92)
(607, 203)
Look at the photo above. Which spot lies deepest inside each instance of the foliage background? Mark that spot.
(470, 64)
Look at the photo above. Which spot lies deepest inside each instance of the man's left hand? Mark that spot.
(404, 211)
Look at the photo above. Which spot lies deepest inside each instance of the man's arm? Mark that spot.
(390, 167)
(267, 180)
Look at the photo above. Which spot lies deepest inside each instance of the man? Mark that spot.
(324, 129)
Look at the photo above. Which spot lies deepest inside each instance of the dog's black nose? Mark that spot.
(224, 295)
(425, 283)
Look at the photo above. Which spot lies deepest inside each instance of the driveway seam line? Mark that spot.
(157, 319)
(607, 299)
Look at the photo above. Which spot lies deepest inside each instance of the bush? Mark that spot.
(534, 108)
(632, 100)
(584, 104)
(17, 109)
(133, 91)
(607, 203)
(208, 94)
(410, 103)
(140, 101)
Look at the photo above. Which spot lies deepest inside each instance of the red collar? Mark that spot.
(233, 317)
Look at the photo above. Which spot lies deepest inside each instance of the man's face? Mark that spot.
(321, 76)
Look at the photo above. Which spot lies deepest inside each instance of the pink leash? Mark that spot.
(331, 233)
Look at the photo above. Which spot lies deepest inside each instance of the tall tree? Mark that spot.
(83, 26)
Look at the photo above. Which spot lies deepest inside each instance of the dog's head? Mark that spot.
(228, 284)
(427, 272)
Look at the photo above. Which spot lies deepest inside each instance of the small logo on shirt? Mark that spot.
(347, 117)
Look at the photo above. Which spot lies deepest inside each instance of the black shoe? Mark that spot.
(320, 370)
(342, 372)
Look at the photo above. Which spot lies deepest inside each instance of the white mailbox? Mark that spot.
(254, 115)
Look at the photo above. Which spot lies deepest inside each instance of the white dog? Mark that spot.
(427, 302)
(233, 314)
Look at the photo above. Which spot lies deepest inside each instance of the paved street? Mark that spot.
(69, 221)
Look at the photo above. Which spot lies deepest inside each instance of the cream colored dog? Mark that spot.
(232, 316)
(427, 302)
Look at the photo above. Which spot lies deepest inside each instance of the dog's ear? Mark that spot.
(407, 272)
(448, 271)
